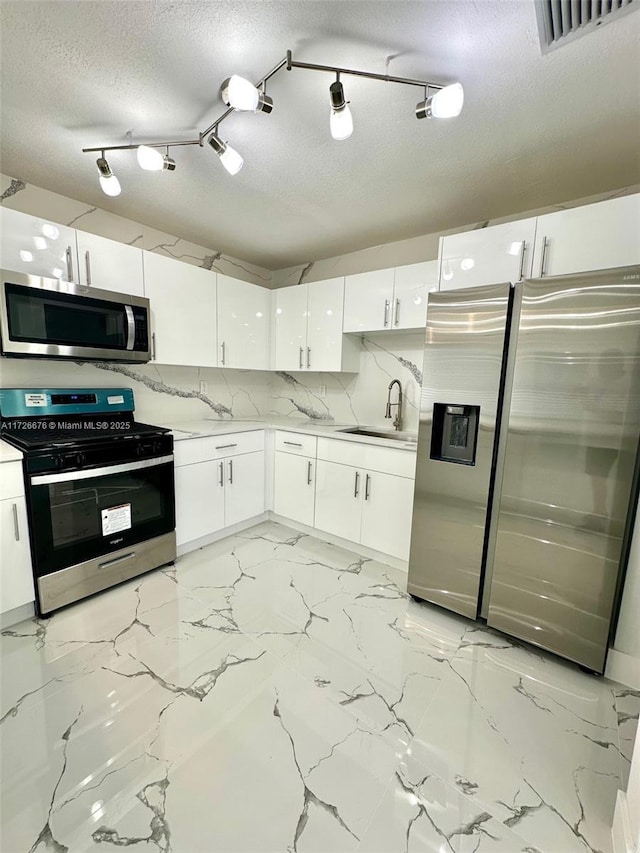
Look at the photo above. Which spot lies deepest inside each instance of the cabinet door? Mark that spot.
(487, 255)
(37, 246)
(339, 499)
(109, 265)
(243, 324)
(413, 284)
(290, 328)
(244, 488)
(594, 237)
(325, 340)
(368, 298)
(183, 311)
(387, 510)
(199, 500)
(16, 579)
(294, 487)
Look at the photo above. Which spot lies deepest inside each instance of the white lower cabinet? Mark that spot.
(368, 507)
(294, 487)
(16, 579)
(243, 488)
(199, 501)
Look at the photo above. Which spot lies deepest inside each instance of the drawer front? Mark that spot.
(294, 442)
(387, 460)
(11, 480)
(190, 451)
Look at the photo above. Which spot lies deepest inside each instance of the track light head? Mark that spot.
(240, 94)
(108, 181)
(340, 118)
(445, 103)
(229, 157)
(168, 163)
(152, 160)
(265, 104)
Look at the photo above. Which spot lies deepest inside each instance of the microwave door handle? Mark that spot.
(131, 327)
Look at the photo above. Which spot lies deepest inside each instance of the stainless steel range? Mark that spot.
(99, 487)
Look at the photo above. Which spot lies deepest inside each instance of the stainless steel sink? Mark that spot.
(393, 435)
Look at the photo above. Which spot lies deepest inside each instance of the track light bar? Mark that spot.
(240, 95)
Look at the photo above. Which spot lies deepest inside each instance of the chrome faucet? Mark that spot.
(398, 419)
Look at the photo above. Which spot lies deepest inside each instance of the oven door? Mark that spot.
(79, 515)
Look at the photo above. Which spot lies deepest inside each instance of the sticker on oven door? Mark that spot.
(116, 518)
(35, 400)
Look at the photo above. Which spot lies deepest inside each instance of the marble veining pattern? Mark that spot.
(272, 692)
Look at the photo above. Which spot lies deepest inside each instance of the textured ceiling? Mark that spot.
(535, 129)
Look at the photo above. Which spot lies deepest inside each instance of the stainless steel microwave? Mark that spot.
(47, 318)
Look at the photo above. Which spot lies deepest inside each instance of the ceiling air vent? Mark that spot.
(560, 21)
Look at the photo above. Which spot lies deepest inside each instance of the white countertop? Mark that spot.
(328, 429)
(8, 453)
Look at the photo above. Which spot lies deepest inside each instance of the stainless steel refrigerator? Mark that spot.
(527, 471)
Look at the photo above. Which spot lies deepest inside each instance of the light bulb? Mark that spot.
(150, 159)
(341, 123)
(231, 160)
(239, 93)
(447, 102)
(110, 185)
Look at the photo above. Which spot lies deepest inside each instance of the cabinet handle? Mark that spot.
(522, 251)
(224, 446)
(153, 346)
(224, 353)
(356, 488)
(397, 320)
(231, 471)
(69, 264)
(293, 443)
(221, 480)
(300, 362)
(309, 473)
(545, 243)
(16, 526)
(87, 260)
(367, 481)
(308, 357)
(387, 305)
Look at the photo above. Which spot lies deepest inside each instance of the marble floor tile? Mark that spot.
(273, 693)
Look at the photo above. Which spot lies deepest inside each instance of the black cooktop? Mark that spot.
(42, 433)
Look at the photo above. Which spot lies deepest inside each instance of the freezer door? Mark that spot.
(462, 367)
(571, 449)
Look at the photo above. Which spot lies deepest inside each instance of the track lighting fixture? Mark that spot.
(152, 160)
(444, 103)
(340, 118)
(108, 181)
(240, 95)
(229, 157)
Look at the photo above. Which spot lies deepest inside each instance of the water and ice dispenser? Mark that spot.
(455, 433)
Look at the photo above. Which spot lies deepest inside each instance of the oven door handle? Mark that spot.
(131, 327)
(89, 473)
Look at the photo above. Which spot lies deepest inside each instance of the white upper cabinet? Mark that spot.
(243, 324)
(183, 311)
(37, 246)
(411, 288)
(290, 328)
(487, 255)
(109, 265)
(594, 237)
(307, 328)
(389, 299)
(368, 297)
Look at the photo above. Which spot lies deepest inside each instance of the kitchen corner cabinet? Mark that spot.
(220, 481)
(389, 299)
(183, 311)
(365, 494)
(109, 265)
(244, 312)
(593, 237)
(307, 328)
(487, 255)
(16, 579)
(295, 476)
(36, 246)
